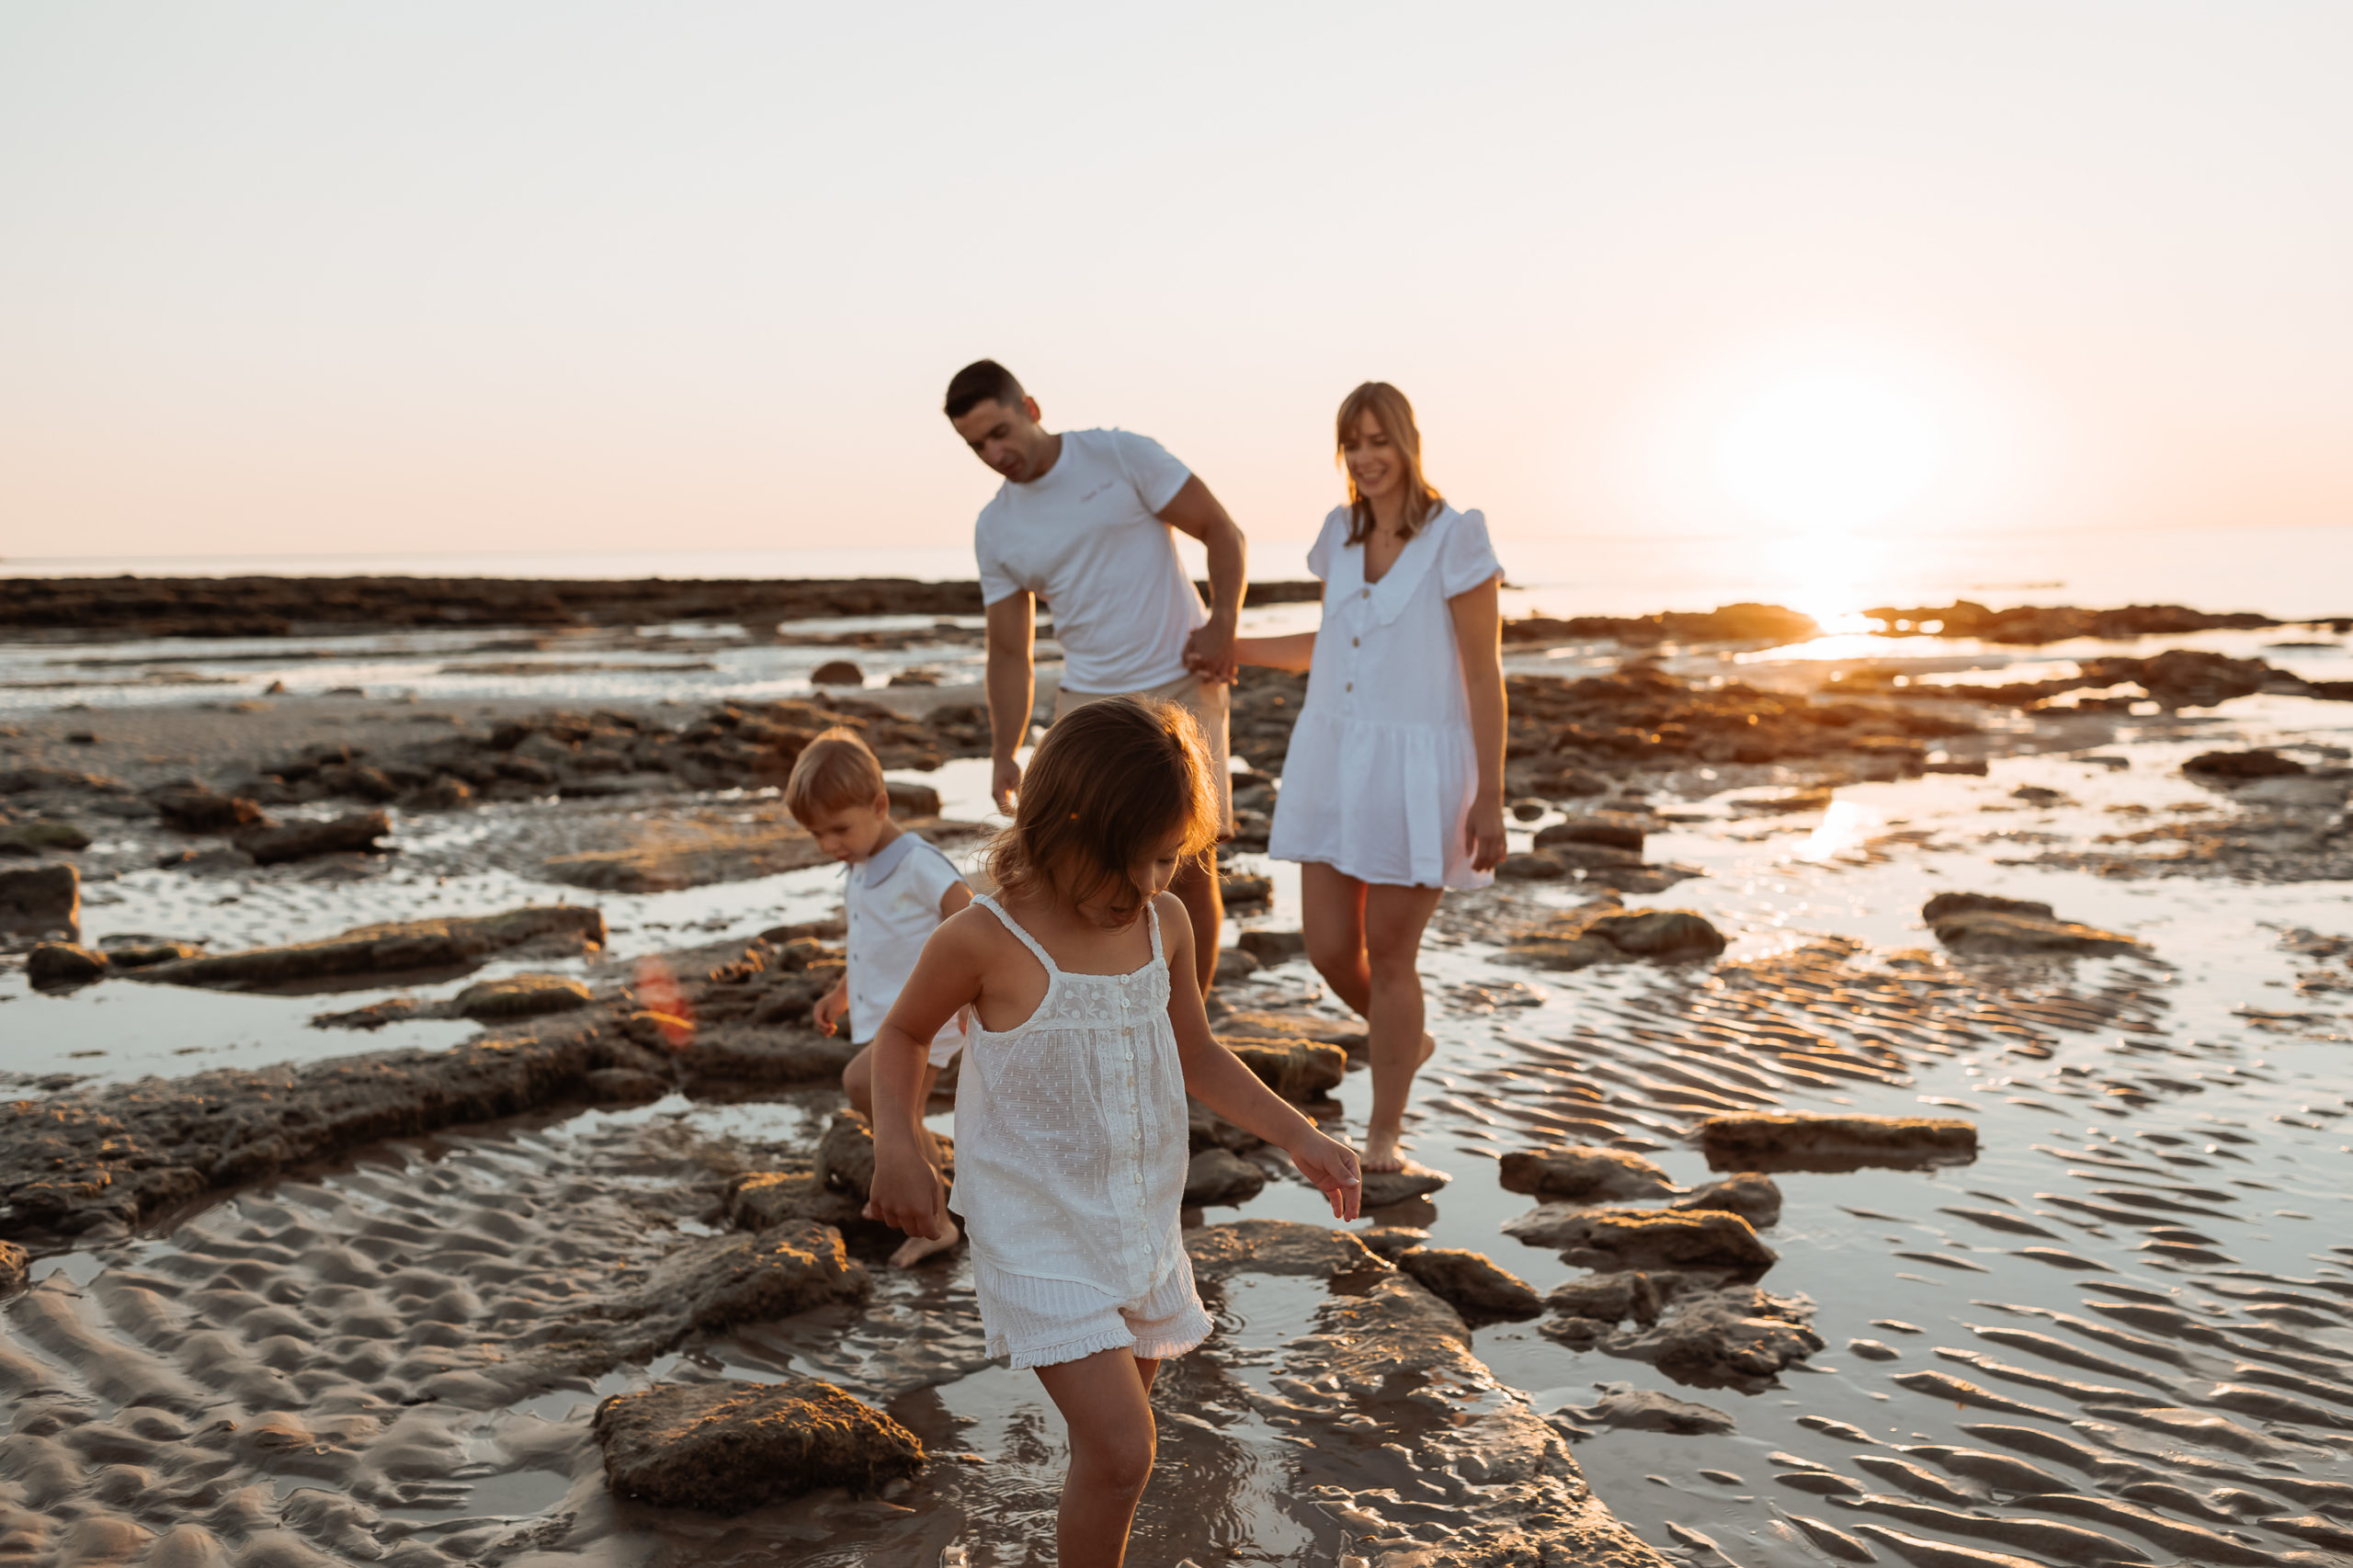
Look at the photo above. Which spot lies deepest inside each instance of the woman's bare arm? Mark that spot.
(1478, 638)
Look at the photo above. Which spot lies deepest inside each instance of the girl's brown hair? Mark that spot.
(1388, 405)
(1108, 784)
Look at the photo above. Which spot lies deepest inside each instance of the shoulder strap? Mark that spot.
(1151, 911)
(1010, 924)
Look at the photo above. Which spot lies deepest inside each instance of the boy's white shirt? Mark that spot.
(893, 900)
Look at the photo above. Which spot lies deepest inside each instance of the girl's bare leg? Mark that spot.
(1106, 1400)
(1363, 940)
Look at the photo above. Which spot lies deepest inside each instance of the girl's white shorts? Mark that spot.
(1038, 1322)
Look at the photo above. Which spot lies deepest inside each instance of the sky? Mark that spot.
(539, 276)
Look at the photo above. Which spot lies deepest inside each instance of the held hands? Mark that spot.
(1332, 1166)
(1004, 786)
(1209, 652)
(906, 1194)
(1482, 835)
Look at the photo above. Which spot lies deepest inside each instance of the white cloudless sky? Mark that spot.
(531, 276)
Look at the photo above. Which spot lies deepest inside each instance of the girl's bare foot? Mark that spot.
(914, 1249)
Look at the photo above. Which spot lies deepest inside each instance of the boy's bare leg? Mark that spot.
(1105, 1398)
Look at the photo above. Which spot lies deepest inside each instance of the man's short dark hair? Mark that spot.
(982, 380)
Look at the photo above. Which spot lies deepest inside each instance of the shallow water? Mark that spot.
(2143, 1285)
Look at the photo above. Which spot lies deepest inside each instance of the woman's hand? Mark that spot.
(1482, 835)
(1332, 1166)
(906, 1194)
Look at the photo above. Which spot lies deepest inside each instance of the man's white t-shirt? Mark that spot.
(1088, 539)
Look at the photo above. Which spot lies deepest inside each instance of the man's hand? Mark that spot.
(1331, 1165)
(830, 1008)
(1483, 836)
(907, 1193)
(1209, 652)
(1004, 787)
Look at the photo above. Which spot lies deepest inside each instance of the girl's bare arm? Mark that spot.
(1478, 639)
(906, 1192)
(1296, 651)
(1217, 1078)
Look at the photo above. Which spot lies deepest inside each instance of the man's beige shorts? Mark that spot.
(1207, 701)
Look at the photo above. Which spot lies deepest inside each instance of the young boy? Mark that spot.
(897, 891)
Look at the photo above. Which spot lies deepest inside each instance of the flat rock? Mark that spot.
(623, 1085)
(1787, 1143)
(1530, 868)
(1603, 933)
(740, 1054)
(43, 832)
(1584, 1172)
(1607, 832)
(198, 808)
(759, 1199)
(452, 942)
(1348, 1034)
(521, 996)
(274, 843)
(1208, 1129)
(2259, 763)
(57, 964)
(1242, 891)
(1752, 1195)
(1278, 1247)
(1382, 1188)
(41, 900)
(1988, 933)
(139, 953)
(1234, 963)
(715, 1282)
(1390, 1240)
(1644, 1238)
(1945, 905)
(1270, 947)
(845, 1156)
(14, 1264)
(723, 1448)
(1470, 1282)
(1614, 1297)
(1641, 1410)
(837, 672)
(1298, 1070)
(1740, 1337)
(911, 800)
(1219, 1175)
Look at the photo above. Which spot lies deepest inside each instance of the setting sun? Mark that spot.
(1829, 452)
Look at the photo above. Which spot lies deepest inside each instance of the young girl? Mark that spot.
(1394, 787)
(1071, 1125)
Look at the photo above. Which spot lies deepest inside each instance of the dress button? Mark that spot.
(1368, 593)
(1356, 642)
(1351, 687)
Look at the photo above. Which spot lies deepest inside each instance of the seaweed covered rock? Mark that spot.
(1646, 1238)
(1581, 1171)
(1603, 933)
(1786, 1143)
(1472, 1282)
(724, 1448)
(449, 942)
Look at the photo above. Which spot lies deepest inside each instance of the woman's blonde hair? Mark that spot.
(1388, 405)
(1108, 784)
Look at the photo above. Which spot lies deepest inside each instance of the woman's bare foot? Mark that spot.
(914, 1249)
(1383, 1149)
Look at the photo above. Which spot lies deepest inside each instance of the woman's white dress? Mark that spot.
(1382, 770)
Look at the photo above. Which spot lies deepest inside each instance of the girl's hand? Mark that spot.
(1332, 1166)
(829, 1009)
(906, 1195)
(1482, 835)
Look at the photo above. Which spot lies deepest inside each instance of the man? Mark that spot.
(1083, 521)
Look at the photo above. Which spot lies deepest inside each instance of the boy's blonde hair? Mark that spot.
(1108, 784)
(834, 772)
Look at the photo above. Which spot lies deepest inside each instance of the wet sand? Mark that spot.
(2124, 1333)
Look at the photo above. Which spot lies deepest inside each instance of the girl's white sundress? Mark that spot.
(1071, 1149)
(1382, 770)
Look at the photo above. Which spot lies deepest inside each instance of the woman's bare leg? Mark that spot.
(1331, 920)
(1393, 920)
(1106, 1400)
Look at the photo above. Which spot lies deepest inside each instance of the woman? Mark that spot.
(1393, 790)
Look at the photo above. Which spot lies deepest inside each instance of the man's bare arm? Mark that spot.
(1013, 691)
(1193, 510)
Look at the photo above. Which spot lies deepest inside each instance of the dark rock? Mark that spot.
(43, 832)
(1947, 905)
(1348, 1034)
(1988, 932)
(51, 965)
(1278, 1247)
(1221, 1177)
(715, 1282)
(1608, 834)
(286, 841)
(141, 954)
(1242, 892)
(1382, 1188)
(41, 900)
(221, 859)
(1647, 1238)
(837, 672)
(724, 1448)
(2261, 763)
(453, 942)
(1272, 946)
(1472, 1283)
(623, 1085)
(1210, 1131)
(1768, 1142)
(757, 1199)
(1613, 1297)
(197, 808)
(1642, 1410)
(2029, 624)
(1527, 808)
(2183, 678)
(1602, 933)
(1741, 1337)
(1234, 963)
(1756, 1198)
(441, 795)
(1390, 1240)
(1584, 1172)
(912, 800)
(14, 1264)
(1530, 868)
(1298, 1070)
(521, 996)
